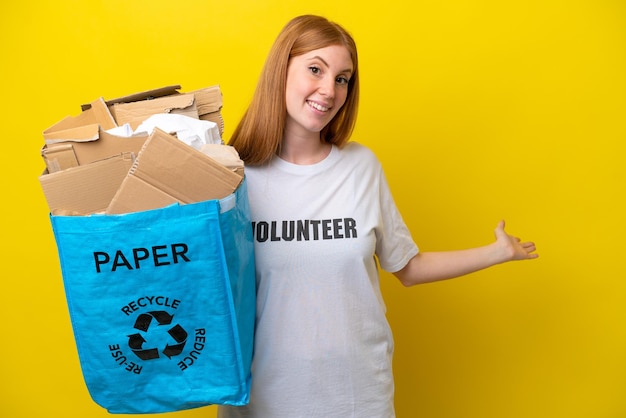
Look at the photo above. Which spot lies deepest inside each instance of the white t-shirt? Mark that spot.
(323, 346)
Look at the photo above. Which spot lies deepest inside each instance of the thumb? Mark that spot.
(500, 228)
(501, 234)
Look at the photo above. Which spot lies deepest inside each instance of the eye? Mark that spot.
(314, 69)
(342, 80)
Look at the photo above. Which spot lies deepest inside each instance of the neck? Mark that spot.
(304, 151)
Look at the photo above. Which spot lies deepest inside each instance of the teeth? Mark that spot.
(318, 106)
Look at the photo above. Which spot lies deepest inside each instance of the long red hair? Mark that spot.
(259, 134)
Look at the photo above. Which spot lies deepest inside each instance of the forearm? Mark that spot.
(434, 266)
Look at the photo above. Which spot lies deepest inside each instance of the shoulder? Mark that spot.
(360, 153)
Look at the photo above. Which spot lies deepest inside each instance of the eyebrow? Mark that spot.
(347, 70)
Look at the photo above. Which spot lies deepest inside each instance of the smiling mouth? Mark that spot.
(318, 106)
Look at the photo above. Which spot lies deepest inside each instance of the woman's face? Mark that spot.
(317, 87)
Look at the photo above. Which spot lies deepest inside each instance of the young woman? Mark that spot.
(324, 221)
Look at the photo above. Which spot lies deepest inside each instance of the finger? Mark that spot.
(499, 231)
(529, 248)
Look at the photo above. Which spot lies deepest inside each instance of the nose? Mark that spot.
(327, 87)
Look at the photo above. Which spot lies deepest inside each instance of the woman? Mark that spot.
(324, 220)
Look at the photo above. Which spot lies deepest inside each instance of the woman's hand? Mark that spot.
(512, 248)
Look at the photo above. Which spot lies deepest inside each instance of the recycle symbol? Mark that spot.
(136, 341)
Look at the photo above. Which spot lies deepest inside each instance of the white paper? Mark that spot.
(193, 132)
(124, 131)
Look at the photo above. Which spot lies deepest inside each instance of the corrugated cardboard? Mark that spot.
(144, 95)
(59, 157)
(59, 151)
(226, 155)
(79, 140)
(62, 155)
(167, 170)
(136, 195)
(209, 104)
(85, 189)
(208, 101)
(82, 127)
(134, 113)
(90, 170)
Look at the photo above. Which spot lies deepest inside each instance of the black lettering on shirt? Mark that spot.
(304, 230)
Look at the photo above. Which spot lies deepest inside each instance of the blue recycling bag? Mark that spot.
(162, 304)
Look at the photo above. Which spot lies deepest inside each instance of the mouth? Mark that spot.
(318, 106)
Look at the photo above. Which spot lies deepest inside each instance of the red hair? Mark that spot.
(259, 134)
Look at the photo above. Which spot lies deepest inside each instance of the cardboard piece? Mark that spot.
(226, 155)
(59, 157)
(136, 195)
(144, 95)
(209, 103)
(90, 170)
(167, 171)
(62, 155)
(85, 126)
(134, 113)
(85, 189)
(63, 138)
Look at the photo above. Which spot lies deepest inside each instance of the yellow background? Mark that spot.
(478, 110)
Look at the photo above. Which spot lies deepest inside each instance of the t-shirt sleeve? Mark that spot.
(394, 244)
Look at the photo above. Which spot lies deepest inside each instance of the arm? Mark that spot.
(433, 266)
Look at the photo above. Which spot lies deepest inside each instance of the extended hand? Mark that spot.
(512, 247)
